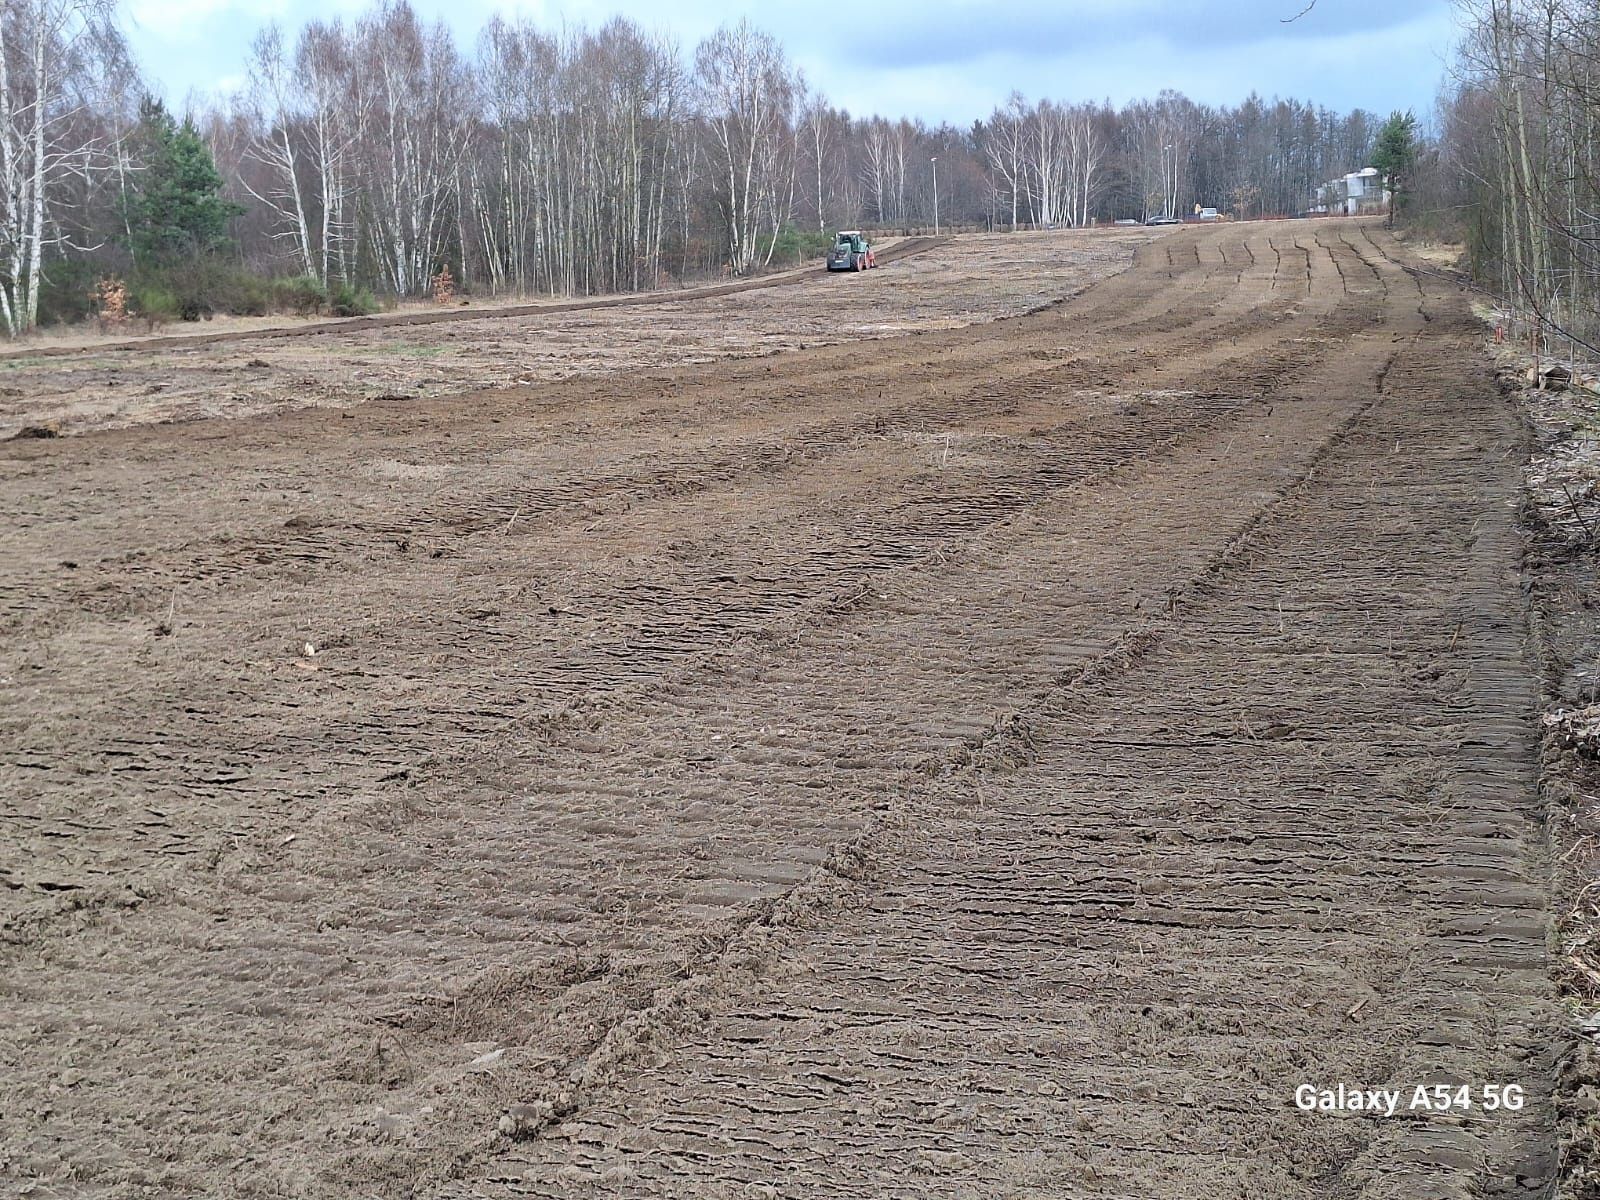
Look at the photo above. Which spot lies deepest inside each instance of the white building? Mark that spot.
(1358, 192)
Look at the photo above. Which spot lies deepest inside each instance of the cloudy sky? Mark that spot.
(940, 59)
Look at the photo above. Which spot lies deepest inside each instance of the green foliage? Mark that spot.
(198, 289)
(153, 302)
(65, 297)
(64, 293)
(797, 245)
(347, 300)
(207, 286)
(177, 211)
(303, 295)
(1394, 155)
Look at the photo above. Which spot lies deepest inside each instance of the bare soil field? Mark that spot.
(428, 354)
(962, 760)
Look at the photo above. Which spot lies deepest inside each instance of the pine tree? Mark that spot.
(1394, 156)
(178, 212)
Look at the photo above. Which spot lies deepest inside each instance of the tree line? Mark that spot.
(376, 152)
(1517, 162)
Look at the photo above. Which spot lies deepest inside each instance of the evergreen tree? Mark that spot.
(178, 209)
(1394, 156)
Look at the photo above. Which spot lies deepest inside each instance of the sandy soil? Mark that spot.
(1007, 762)
(1448, 255)
(134, 333)
(971, 279)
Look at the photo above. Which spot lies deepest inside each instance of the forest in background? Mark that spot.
(1518, 163)
(373, 156)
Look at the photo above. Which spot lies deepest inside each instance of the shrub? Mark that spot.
(347, 300)
(204, 286)
(304, 295)
(153, 302)
(111, 301)
(196, 289)
(444, 285)
(799, 245)
(244, 295)
(67, 292)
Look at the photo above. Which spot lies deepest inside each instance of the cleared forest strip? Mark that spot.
(383, 767)
(904, 248)
(959, 283)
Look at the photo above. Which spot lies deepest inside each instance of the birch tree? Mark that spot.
(1084, 152)
(416, 94)
(1523, 133)
(333, 113)
(53, 55)
(275, 92)
(1004, 146)
(747, 91)
(827, 145)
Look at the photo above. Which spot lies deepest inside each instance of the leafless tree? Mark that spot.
(1004, 143)
(747, 91)
(573, 161)
(274, 93)
(55, 56)
(1521, 128)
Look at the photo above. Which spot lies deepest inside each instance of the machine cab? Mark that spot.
(851, 252)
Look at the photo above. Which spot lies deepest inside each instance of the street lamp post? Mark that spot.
(935, 161)
(1169, 183)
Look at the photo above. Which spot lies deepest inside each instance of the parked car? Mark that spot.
(851, 252)
(1164, 219)
(1207, 214)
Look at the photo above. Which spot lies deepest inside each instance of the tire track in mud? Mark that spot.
(1103, 974)
(690, 619)
(1006, 742)
(722, 966)
(1199, 351)
(298, 554)
(385, 368)
(414, 867)
(328, 544)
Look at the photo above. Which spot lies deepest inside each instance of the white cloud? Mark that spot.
(1378, 69)
(921, 57)
(187, 20)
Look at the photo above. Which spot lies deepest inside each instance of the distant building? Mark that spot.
(1358, 192)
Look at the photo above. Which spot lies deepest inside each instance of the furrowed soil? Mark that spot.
(1003, 759)
(199, 374)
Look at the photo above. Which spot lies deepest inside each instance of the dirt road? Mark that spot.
(1006, 763)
